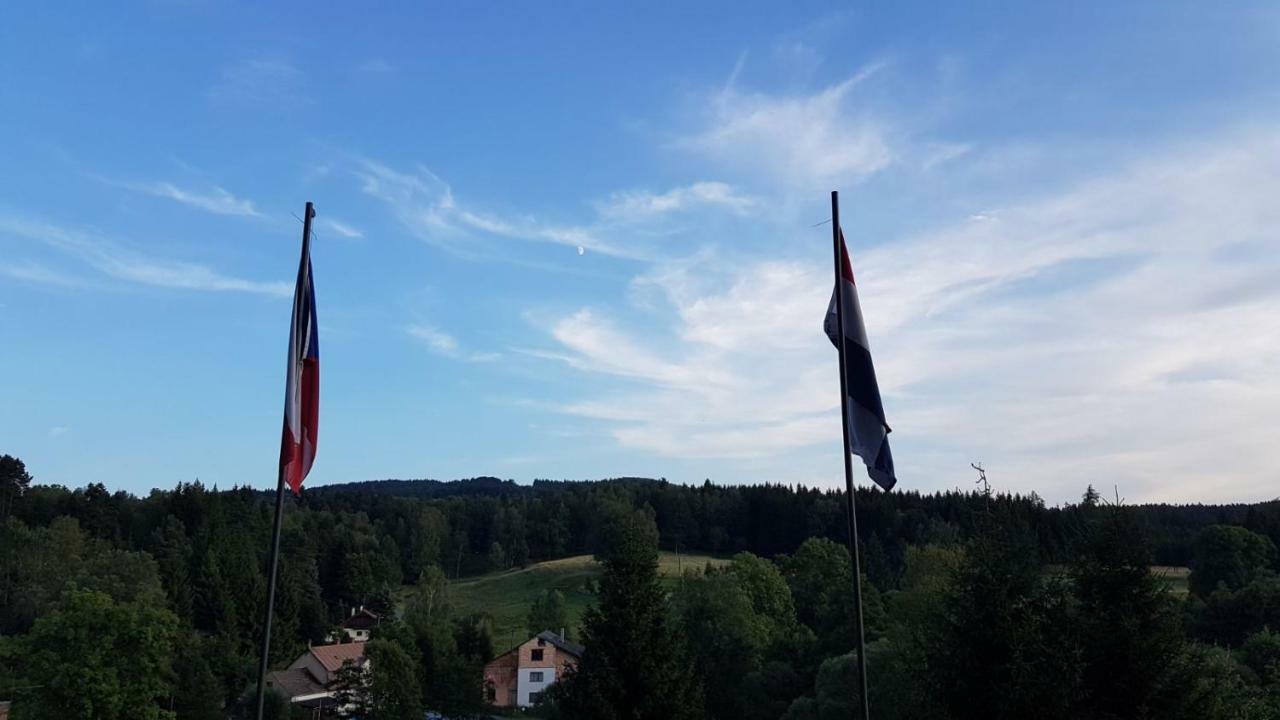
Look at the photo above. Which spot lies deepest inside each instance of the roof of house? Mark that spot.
(332, 657)
(362, 620)
(508, 660)
(572, 648)
(297, 682)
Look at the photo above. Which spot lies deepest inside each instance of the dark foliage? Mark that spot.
(1053, 604)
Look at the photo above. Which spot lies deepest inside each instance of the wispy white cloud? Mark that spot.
(641, 205)
(58, 431)
(115, 261)
(445, 345)
(215, 200)
(34, 272)
(439, 342)
(803, 140)
(341, 228)
(425, 205)
(934, 154)
(732, 80)
(1120, 330)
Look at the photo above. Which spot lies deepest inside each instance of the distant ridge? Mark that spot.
(489, 486)
(483, 486)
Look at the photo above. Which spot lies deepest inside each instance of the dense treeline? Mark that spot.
(979, 630)
(174, 582)
(765, 519)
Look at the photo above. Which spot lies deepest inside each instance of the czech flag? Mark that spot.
(302, 388)
(868, 431)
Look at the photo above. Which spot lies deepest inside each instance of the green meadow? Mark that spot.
(506, 596)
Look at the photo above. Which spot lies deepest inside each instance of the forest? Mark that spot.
(977, 605)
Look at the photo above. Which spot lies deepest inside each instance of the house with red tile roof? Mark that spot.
(308, 681)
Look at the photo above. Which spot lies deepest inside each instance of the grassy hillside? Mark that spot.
(506, 596)
(1177, 577)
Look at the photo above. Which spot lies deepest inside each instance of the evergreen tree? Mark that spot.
(212, 608)
(172, 551)
(14, 481)
(632, 666)
(197, 695)
(1001, 643)
(451, 678)
(1091, 497)
(473, 636)
(1130, 634)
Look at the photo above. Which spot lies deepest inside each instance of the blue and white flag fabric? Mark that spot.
(868, 431)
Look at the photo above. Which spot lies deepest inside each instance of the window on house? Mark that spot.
(535, 655)
(533, 697)
(535, 677)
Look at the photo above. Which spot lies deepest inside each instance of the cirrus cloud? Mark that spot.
(1119, 330)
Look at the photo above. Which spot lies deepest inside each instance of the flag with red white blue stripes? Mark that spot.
(302, 387)
(868, 431)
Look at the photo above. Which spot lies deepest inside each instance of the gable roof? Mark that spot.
(572, 648)
(295, 683)
(331, 657)
(510, 658)
(362, 620)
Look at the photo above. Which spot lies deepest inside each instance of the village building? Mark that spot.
(517, 677)
(308, 681)
(357, 627)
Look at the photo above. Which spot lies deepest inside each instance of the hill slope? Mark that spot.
(506, 596)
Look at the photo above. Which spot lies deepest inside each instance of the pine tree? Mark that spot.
(632, 667)
(14, 481)
(1090, 499)
(198, 695)
(173, 556)
(1000, 646)
(1129, 630)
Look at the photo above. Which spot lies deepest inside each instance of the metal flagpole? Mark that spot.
(850, 506)
(275, 528)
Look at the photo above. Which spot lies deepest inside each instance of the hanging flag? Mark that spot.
(868, 431)
(302, 388)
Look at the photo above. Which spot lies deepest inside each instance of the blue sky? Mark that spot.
(1063, 222)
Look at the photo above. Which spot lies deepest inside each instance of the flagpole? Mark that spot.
(274, 563)
(850, 505)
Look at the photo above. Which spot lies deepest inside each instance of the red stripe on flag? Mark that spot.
(846, 268)
(310, 417)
